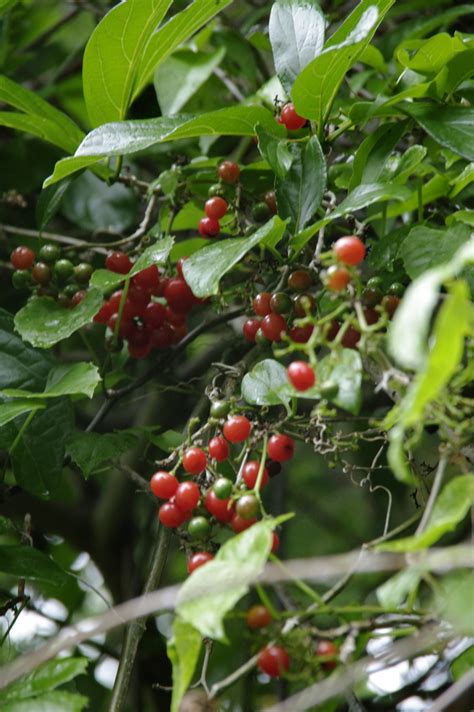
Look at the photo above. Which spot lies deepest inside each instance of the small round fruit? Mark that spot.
(250, 474)
(220, 409)
(208, 227)
(281, 448)
(397, 289)
(375, 283)
(83, 272)
(250, 328)
(215, 208)
(371, 316)
(290, 118)
(228, 172)
(270, 199)
(349, 250)
(162, 338)
(261, 212)
(216, 189)
(301, 375)
(239, 524)
(219, 448)
(70, 289)
(275, 542)
(147, 279)
(303, 304)
(351, 338)
(78, 296)
(64, 269)
(138, 351)
(104, 313)
(118, 262)
(187, 496)
(41, 273)
(247, 506)
(301, 334)
(237, 428)
(49, 253)
(328, 650)
(281, 303)
(21, 279)
(273, 326)
(22, 257)
(328, 389)
(154, 315)
(178, 295)
(274, 468)
(221, 509)
(300, 280)
(194, 460)
(170, 516)
(390, 303)
(258, 617)
(261, 339)
(199, 559)
(371, 297)
(222, 488)
(337, 278)
(261, 304)
(163, 484)
(273, 660)
(199, 528)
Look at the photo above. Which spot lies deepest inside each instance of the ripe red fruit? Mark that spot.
(77, 297)
(115, 299)
(273, 660)
(258, 617)
(281, 448)
(178, 295)
(228, 172)
(250, 328)
(301, 375)
(333, 330)
(175, 318)
(154, 315)
(349, 250)
(237, 428)
(215, 207)
(22, 257)
(138, 299)
(187, 496)
(300, 280)
(337, 278)
(327, 649)
(261, 304)
(351, 338)
(118, 262)
(371, 316)
(138, 350)
(290, 118)
(275, 542)
(273, 325)
(301, 334)
(170, 516)
(162, 338)
(179, 266)
(390, 303)
(250, 473)
(221, 509)
(148, 279)
(126, 326)
(199, 559)
(163, 484)
(208, 227)
(138, 335)
(219, 448)
(104, 313)
(194, 460)
(239, 524)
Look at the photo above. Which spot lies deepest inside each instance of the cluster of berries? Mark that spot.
(49, 274)
(153, 312)
(274, 660)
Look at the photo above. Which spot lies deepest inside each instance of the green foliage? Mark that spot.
(183, 651)
(91, 451)
(26, 562)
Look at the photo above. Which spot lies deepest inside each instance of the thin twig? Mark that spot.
(53, 237)
(438, 480)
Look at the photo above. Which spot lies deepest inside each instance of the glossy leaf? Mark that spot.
(92, 450)
(265, 384)
(450, 126)
(275, 151)
(343, 367)
(183, 650)
(49, 203)
(236, 565)
(156, 254)
(10, 411)
(22, 561)
(463, 664)
(204, 269)
(374, 151)
(425, 247)
(46, 677)
(63, 380)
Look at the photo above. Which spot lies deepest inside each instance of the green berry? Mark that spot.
(49, 253)
(63, 300)
(261, 212)
(280, 303)
(261, 339)
(220, 409)
(375, 283)
(216, 189)
(199, 528)
(222, 488)
(83, 272)
(70, 290)
(247, 506)
(41, 273)
(63, 269)
(397, 289)
(371, 296)
(21, 279)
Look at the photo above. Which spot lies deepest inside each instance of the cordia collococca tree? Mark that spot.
(236, 341)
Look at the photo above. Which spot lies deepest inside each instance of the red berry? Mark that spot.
(301, 375)
(22, 257)
(327, 649)
(187, 496)
(215, 207)
(170, 516)
(333, 330)
(115, 300)
(179, 332)
(178, 295)
(221, 509)
(300, 280)
(270, 199)
(275, 542)
(301, 334)
(118, 262)
(273, 660)
(138, 300)
(78, 297)
(371, 316)
(250, 329)
(351, 338)
(104, 313)
(126, 326)
(237, 428)
(250, 473)
(208, 227)
(154, 315)
(148, 279)
(163, 484)
(390, 303)
(273, 326)
(258, 617)
(228, 171)
(219, 448)
(175, 318)
(194, 460)
(261, 304)
(162, 338)
(337, 278)
(239, 524)
(281, 448)
(139, 350)
(199, 559)
(138, 335)
(349, 250)
(290, 118)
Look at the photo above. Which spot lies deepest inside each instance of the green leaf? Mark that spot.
(92, 450)
(452, 505)
(429, 56)
(43, 322)
(204, 269)
(183, 651)
(50, 702)
(180, 76)
(343, 367)
(463, 664)
(450, 126)
(63, 380)
(393, 593)
(26, 562)
(425, 247)
(49, 203)
(44, 678)
(168, 441)
(275, 152)
(462, 180)
(265, 384)
(372, 154)
(297, 36)
(236, 565)
(21, 366)
(72, 164)
(10, 411)
(156, 254)
(300, 192)
(317, 85)
(453, 601)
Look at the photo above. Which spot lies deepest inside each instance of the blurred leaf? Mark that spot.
(450, 126)
(453, 601)
(10, 411)
(91, 450)
(50, 702)
(167, 441)
(156, 254)
(264, 383)
(64, 380)
(344, 368)
(275, 151)
(21, 366)
(25, 562)
(49, 203)
(44, 678)
(183, 651)
(463, 664)
(462, 180)
(425, 247)
(370, 157)
(393, 593)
